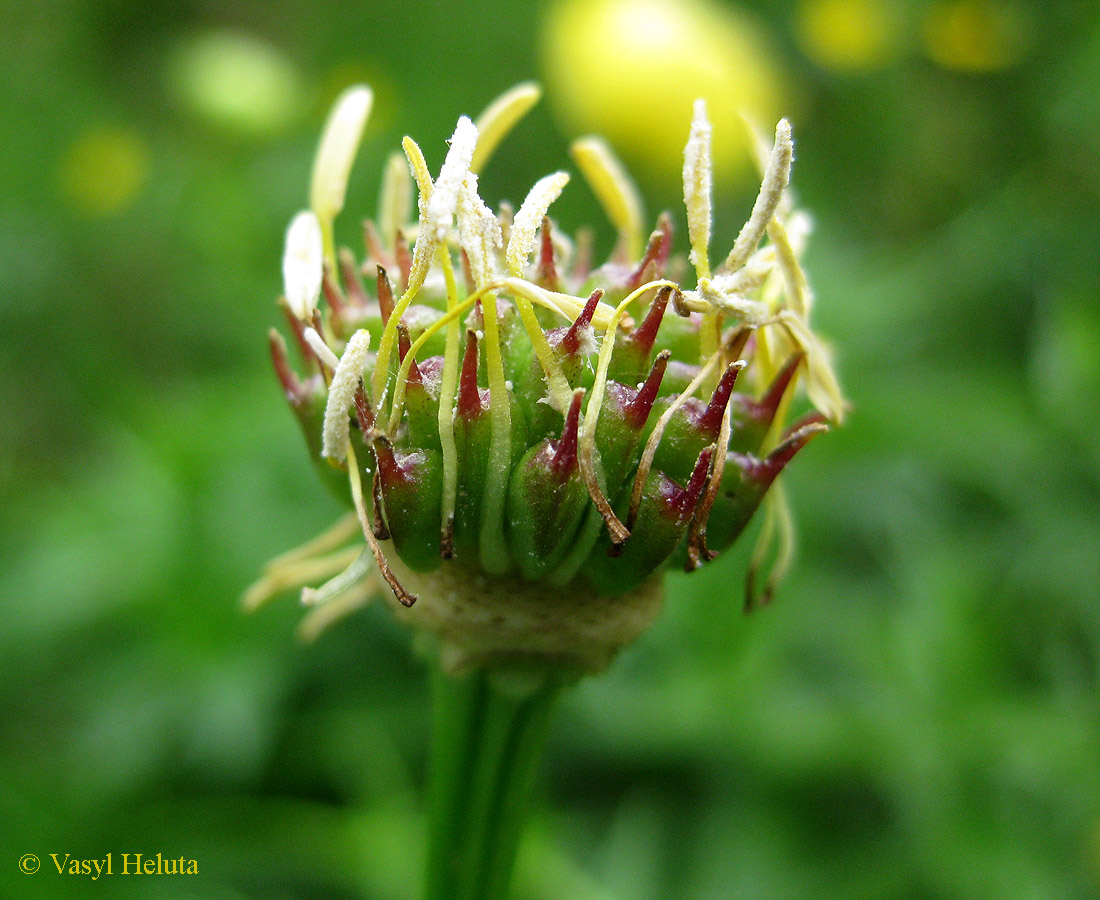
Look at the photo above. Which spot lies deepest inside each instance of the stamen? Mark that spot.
(794, 278)
(697, 189)
(821, 383)
(437, 203)
(336, 608)
(303, 262)
(478, 232)
(320, 349)
(285, 574)
(336, 585)
(446, 188)
(777, 175)
(341, 394)
(338, 533)
(779, 529)
(445, 418)
(494, 554)
(335, 155)
(521, 240)
(613, 188)
(500, 117)
(394, 198)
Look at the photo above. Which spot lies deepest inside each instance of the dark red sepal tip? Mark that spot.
(638, 411)
(469, 397)
(564, 462)
(572, 341)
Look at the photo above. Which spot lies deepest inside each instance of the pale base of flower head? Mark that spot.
(484, 621)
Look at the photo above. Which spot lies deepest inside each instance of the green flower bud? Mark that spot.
(533, 428)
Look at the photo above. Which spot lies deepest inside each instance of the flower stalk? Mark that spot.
(488, 730)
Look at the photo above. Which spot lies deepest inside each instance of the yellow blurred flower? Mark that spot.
(631, 70)
(849, 35)
(977, 35)
(104, 170)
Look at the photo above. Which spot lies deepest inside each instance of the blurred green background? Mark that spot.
(917, 717)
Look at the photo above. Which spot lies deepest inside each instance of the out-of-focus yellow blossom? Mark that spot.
(977, 35)
(849, 35)
(631, 69)
(104, 170)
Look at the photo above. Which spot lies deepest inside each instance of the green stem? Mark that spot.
(488, 732)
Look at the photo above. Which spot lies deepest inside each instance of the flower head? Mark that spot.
(528, 440)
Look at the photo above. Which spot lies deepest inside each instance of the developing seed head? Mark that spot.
(528, 441)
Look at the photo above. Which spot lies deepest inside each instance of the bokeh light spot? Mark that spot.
(976, 35)
(849, 35)
(237, 82)
(630, 70)
(103, 170)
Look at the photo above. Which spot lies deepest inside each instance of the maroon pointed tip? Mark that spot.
(299, 332)
(769, 403)
(385, 295)
(664, 225)
(353, 287)
(648, 263)
(467, 271)
(765, 471)
(333, 295)
(403, 257)
(564, 462)
(572, 341)
(404, 344)
(687, 499)
(292, 387)
(469, 397)
(372, 242)
(640, 407)
(711, 421)
(548, 270)
(737, 342)
(364, 412)
(388, 466)
(646, 333)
